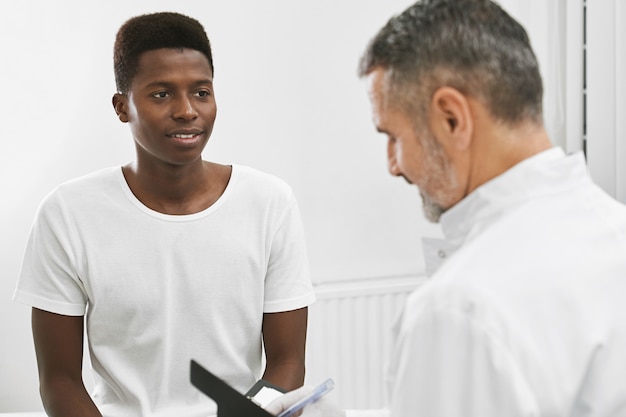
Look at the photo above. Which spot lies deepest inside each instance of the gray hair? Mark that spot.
(471, 45)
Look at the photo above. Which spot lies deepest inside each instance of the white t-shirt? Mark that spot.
(159, 290)
(527, 317)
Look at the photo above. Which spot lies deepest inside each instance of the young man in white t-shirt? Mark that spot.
(169, 257)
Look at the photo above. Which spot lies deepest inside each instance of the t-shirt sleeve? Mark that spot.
(288, 281)
(448, 364)
(48, 277)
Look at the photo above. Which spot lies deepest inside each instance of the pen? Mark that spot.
(315, 395)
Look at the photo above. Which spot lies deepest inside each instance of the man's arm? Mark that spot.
(59, 348)
(284, 336)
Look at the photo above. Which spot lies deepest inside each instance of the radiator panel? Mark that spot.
(349, 337)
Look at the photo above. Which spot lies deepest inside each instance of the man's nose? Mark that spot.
(392, 161)
(184, 109)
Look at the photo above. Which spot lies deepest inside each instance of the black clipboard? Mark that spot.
(230, 402)
(259, 385)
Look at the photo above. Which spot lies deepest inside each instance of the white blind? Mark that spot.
(606, 94)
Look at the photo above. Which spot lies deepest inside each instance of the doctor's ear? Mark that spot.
(451, 118)
(120, 103)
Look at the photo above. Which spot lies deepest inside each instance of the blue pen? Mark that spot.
(315, 395)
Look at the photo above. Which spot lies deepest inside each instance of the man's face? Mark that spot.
(170, 106)
(417, 157)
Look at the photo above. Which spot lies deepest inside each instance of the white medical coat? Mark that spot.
(527, 315)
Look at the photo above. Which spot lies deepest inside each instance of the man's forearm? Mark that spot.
(288, 375)
(63, 397)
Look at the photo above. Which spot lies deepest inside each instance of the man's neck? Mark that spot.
(499, 148)
(177, 190)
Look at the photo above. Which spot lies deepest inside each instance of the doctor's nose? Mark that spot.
(392, 161)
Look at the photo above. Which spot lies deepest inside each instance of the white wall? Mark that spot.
(289, 103)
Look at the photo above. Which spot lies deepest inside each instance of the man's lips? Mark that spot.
(185, 134)
(186, 138)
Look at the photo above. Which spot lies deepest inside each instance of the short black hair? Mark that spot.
(471, 45)
(154, 31)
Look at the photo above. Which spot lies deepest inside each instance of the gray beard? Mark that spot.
(432, 210)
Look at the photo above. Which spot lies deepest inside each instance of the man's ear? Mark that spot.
(451, 118)
(120, 102)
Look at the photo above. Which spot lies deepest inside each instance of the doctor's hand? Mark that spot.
(321, 408)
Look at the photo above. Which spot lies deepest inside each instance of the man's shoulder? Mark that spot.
(449, 292)
(248, 173)
(84, 187)
(91, 179)
(252, 181)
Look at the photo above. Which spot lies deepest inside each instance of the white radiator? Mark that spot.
(349, 337)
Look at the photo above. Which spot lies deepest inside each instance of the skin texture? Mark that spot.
(284, 336)
(59, 348)
(460, 147)
(171, 95)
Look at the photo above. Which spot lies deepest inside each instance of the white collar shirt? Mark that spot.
(526, 314)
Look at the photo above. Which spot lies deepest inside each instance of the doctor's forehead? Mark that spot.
(376, 90)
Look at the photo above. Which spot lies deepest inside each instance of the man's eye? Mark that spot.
(160, 94)
(203, 93)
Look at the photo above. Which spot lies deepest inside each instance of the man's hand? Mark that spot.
(321, 408)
